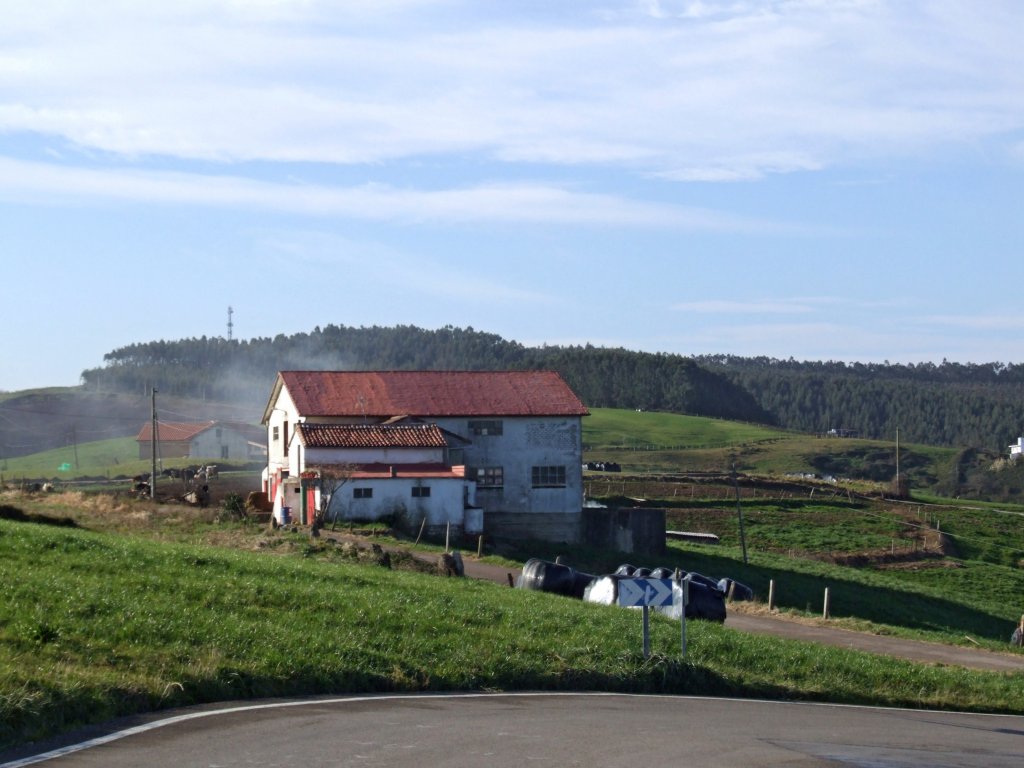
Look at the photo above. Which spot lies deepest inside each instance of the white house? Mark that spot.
(1017, 449)
(494, 451)
(205, 440)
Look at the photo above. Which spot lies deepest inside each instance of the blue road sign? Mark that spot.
(636, 592)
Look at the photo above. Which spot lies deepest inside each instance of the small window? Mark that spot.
(277, 434)
(548, 477)
(490, 477)
(362, 493)
(220, 433)
(486, 427)
(420, 491)
(224, 451)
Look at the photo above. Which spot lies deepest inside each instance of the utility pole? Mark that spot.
(739, 513)
(74, 441)
(152, 446)
(230, 324)
(899, 492)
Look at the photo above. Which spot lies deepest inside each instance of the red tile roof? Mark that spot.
(173, 431)
(370, 436)
(383, 394)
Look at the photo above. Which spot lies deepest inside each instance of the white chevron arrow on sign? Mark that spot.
(634, 592)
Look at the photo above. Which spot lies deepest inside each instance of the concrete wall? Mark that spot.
(526, 442)
(557, 527)
(626, 530)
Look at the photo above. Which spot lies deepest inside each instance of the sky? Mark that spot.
(815, 179)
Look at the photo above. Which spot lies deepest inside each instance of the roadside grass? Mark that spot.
(94, 626)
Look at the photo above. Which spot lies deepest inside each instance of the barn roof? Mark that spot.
(370, 436)
(173, 431)
(384, 394)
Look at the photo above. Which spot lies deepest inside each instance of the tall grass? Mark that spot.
(98, 625)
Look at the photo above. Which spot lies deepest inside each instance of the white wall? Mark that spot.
(209, 445)
(393, 497)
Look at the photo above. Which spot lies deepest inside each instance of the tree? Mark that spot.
(330, 477)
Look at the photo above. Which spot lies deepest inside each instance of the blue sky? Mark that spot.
(818, 179)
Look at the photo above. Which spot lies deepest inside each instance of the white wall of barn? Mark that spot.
(393, 497)
(220, 443)
(396, 456)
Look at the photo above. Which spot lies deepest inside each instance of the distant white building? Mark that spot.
(1016, 449)
(203, 440)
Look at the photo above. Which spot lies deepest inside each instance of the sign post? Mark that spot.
(644, 593)
(684, 585)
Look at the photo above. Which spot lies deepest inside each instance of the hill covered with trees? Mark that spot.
(951, 404)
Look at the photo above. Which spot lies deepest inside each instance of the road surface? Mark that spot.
(597, 731)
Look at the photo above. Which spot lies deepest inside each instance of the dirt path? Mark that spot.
(914, 650)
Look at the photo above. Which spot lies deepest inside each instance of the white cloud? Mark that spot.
(495, 203)
(697, 90)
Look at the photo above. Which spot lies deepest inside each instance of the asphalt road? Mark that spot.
(517, 730)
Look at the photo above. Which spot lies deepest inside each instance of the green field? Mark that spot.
(652, 442)
(146, 606)
(94, 625)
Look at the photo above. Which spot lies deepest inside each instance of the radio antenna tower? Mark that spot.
(230, 324)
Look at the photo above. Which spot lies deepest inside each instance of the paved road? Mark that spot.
(606, 730)
(914, 650)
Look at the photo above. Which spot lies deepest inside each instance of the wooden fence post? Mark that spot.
(827, 613)
(771, 595)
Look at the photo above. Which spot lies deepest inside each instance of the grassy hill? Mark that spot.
(146, 606)
(96, 625)
(647, 442)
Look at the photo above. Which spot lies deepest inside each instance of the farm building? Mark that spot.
(205, 440)
(494, 451)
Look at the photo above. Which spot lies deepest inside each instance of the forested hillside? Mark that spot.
(943, 404)
(953, 404)
(217, 369)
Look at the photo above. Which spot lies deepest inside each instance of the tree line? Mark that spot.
(941, 404)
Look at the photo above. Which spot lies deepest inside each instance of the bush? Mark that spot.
(232, 507)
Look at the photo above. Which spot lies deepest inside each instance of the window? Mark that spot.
(486, 427)
(490, 477)
(420, 491)
(548, 477)
(277, 433)
(220, 433)
(362, 493)
(224, 451)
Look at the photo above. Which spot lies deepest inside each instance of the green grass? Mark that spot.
(101, 458)
(613, 428)
(670, 443)
(94, 626)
